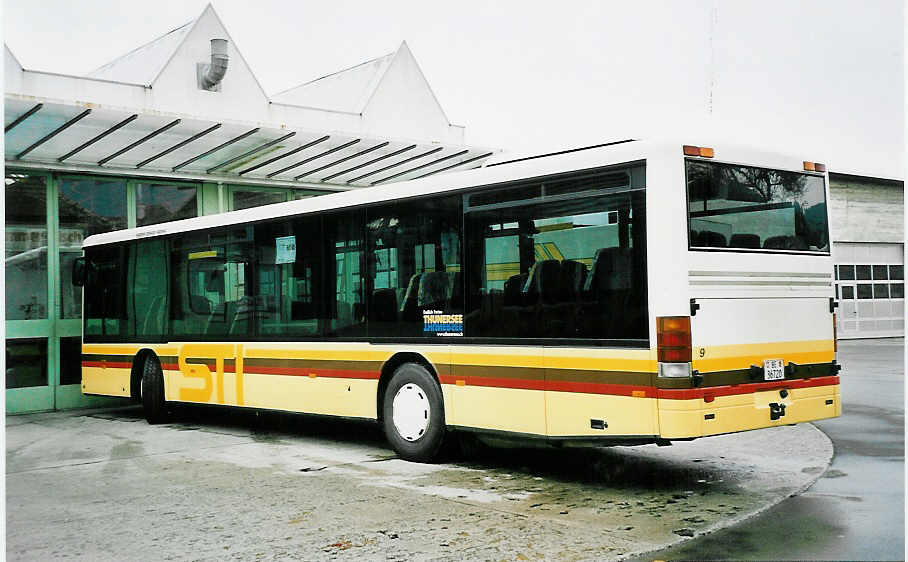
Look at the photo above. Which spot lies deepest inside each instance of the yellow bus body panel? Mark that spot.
(687, 418)
(106, 381)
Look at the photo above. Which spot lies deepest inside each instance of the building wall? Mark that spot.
(868, 230)
(866, 209)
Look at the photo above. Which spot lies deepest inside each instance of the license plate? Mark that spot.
(773, 369)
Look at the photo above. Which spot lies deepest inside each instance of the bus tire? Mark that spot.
(413, 413)
(153, 403)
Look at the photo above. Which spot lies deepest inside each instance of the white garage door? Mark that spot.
(870, 288)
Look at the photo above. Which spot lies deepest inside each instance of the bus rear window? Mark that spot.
(742, 207)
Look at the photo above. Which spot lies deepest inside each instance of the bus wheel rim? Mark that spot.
(411, 412)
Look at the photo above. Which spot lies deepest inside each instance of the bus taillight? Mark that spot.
(673, 345)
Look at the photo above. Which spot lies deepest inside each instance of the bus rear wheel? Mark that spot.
(413, 413)
(152, 389)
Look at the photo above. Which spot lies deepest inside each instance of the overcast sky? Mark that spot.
(823, 80)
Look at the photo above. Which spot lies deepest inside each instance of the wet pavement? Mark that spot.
(222, 484)
(856, 511)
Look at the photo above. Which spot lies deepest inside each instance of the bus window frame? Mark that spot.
(692, 248)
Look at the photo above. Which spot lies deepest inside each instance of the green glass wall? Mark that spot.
(47, 217)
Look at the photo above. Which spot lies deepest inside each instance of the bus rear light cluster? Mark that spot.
(703, 151)
(673, 339)
(673, 346)
(814, 167)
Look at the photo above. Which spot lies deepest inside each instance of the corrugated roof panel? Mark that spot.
(142, 65)
(347, 90)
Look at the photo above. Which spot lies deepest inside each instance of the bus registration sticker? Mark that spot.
(773, 370)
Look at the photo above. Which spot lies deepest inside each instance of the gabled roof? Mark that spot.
(347, 91)
(143, 64)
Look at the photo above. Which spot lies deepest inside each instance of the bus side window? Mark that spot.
(413, 275)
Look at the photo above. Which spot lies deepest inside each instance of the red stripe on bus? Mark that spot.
(305, 372)
(747, 388)
(649, 391)
(107, 364)
(289, 371)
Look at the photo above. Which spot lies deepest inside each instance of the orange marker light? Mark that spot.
(690, 150)
(810, 166)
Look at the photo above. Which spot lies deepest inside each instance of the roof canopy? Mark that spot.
(144, 114)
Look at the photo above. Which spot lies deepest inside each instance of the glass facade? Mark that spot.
(26, 247)
(47, 217)
(157, 203)
(86, 206)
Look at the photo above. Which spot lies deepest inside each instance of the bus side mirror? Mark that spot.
(80, 269)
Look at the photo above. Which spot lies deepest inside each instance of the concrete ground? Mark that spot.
(232, 485)
(857, 510)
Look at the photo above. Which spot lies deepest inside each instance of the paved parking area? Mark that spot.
(226, 485)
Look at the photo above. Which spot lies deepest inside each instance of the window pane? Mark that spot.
(87, 206)
(880, 291)
(847, 292)
(210, 279)
(104, 306)
(26, 363)
(248, 199)
(345, 315)
(896, 271)
(745, 207)
(289, 278)
(559, 270)
(162, 203)
(863, 272)
(865, 291)
(147, 295)
(414, 278)
(70, 360)
(880, 273)
(26, 247)
(846, 272)
(304, 194)
(897, 290)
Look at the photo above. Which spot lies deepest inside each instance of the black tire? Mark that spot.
(153, 403)
(416, 386)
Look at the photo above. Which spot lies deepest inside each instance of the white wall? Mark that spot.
(864, 210)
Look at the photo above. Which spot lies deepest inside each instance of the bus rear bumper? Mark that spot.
(713, 415)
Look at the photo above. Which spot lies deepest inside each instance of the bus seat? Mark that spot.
(383, 307)
(713, 239)
(434, 289)
(542, 282)
(611, 271)
(744, 241)
(785, 243)
(571, 280)
(199, 304)
(408, 305)
(512, 289)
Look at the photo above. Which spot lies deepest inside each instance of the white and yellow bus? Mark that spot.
(628, 293)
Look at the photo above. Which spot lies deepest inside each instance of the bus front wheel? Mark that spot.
(413, 413)
(152, 389)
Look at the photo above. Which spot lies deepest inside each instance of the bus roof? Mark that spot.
(508, 171)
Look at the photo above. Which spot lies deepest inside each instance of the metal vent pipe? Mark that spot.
(218, 67)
